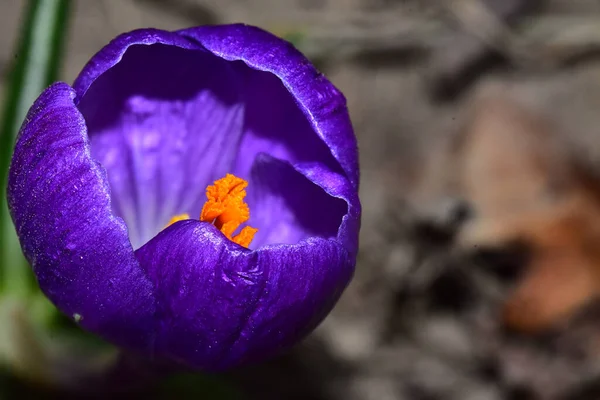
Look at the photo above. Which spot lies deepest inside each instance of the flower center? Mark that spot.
(225, 208)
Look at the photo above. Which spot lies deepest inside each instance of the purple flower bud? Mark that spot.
(155, 117)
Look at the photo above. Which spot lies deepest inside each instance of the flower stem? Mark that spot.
(35, 67)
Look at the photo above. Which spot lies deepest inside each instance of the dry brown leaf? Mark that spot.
(525, 188)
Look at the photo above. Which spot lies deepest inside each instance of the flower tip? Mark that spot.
(177, 218)
(244, 238)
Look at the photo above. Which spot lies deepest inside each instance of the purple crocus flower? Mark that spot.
(154, 119)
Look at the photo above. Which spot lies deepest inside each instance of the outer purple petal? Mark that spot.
(294, 203)
(60, 203)
(322, 104)
(337, 186)
(111, 54)
(221, 305)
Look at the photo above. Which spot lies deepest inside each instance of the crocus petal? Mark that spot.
(221, 305)
(336, 185)
(111, 54)
(303, 209)
(162, 136)
(59, 200)
(275, 126)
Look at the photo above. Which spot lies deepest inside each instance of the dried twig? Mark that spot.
(540, 42)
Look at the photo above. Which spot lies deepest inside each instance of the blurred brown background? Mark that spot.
(478, 123)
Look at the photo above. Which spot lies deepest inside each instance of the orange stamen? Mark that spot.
(245, 236)
(225, 208)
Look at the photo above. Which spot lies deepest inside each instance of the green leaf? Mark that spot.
(35, 66)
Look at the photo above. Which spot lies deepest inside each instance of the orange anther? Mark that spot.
(245, 236)
(226, 209)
